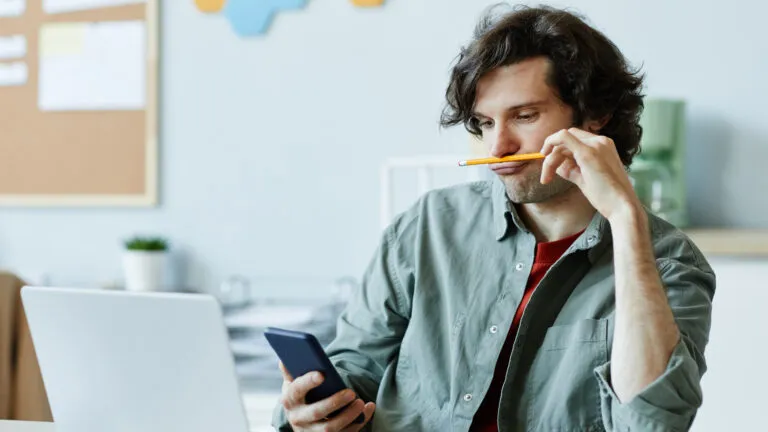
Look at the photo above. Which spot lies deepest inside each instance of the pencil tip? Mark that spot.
(462, 163)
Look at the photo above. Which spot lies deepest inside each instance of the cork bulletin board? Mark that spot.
(78, 102)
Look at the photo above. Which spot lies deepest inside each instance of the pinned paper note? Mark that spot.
(63, 6)
(13, 74)
(12, 8)
(13, 47)
(209, 6)
(62, 39)
(92, 66)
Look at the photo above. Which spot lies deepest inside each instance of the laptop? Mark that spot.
(125, 361)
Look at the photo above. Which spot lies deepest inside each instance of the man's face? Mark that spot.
(516, 111)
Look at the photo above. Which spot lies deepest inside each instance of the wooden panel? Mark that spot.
(730, 242)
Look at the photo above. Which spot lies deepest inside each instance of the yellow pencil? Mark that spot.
(513, 158)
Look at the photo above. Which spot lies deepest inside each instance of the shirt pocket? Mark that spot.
(418, 372)
(562, 390)
(408, 405)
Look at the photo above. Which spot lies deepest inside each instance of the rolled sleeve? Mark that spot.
(667, 404)
(279, 420)
(671, 401)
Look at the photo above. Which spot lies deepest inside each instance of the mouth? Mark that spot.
(508, 168)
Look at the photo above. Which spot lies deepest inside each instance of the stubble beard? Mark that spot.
(526, 188)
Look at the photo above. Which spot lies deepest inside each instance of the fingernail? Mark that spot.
(317, 378)
(349, 395)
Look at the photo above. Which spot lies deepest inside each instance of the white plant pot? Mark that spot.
(144, 270)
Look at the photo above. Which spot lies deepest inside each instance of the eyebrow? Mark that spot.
(514, 107)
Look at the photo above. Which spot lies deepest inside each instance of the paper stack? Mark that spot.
(255, 361)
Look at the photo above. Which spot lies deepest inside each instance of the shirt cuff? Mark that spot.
(668, 403)
(279, 419)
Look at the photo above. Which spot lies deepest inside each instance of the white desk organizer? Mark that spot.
(424, 166)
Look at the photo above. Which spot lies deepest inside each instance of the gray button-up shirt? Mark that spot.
(422, 336)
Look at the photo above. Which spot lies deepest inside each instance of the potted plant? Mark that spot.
(144, 263)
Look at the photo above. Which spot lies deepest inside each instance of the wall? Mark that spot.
(271, 145)
(271, 148)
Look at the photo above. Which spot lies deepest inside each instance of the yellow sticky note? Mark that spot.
(367, 3)
(210, 6)
(62, 39)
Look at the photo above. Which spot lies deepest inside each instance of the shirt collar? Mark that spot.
(596, 233)
(595, 237)
(503, 211)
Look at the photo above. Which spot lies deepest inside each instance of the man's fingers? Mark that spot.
(296, 391)
(565, 139)
(370, 407)
(368, 410)
(552, 141)
(570, 171)
(322, 409)
(286, 375)
(552, 163)
(581, 133)
(345, 418)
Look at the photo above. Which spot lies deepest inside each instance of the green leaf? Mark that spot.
(146, 243)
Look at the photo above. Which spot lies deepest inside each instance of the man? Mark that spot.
(547, 299)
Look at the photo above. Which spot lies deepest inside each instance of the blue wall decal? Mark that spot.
(252, 17)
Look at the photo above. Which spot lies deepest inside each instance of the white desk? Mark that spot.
(20, 426)
(258, 407)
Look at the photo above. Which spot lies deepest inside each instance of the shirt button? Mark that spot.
(519, 266)
(467, 397)
(494, 329)
(590, 239)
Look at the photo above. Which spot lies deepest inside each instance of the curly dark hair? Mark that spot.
(588, 72)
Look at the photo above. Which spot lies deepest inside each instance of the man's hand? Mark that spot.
(645, 333)
(592, 163)
(313, 417)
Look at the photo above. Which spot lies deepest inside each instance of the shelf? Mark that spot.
(731, 242)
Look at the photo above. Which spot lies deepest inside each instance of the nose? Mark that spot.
(503, 142)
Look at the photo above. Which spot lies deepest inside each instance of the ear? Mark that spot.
(595, 126)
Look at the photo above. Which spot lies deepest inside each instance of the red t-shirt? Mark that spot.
(546, 255)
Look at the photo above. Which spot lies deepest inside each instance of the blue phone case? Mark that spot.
(301, 353)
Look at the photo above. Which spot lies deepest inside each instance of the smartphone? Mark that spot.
(301, 353)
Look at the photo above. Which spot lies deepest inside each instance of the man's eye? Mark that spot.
(528, 117)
